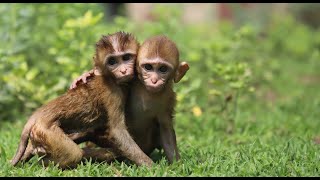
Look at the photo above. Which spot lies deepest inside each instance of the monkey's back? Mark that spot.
(84, 107)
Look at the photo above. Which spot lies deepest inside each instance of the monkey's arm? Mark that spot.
(125, 143)
(168, 138)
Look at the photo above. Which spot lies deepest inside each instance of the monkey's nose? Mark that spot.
(123, 71)
(154, 81)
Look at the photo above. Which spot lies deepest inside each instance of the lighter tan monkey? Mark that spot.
(97, 106)
(151, 100)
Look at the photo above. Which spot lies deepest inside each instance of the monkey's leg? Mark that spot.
(31, 150)
(168, 141)
(175, 145)
(58, 145)
(28, 154)
(99, 155)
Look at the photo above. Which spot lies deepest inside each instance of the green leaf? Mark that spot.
(32, 73)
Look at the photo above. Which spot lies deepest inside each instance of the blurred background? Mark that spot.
(241, 54)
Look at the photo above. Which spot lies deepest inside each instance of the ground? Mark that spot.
(276, 133)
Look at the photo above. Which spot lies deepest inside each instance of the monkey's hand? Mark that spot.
(83, 78)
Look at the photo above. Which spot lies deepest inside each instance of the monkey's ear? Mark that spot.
(181, 71)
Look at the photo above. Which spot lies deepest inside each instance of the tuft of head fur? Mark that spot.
(118, 41)
(112, 43)
(159, 46)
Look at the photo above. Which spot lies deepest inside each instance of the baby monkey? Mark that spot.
(151, 100)
(98, 105)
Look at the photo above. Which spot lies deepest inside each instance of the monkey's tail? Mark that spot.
(23, 141)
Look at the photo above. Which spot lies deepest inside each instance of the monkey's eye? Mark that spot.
(112, 61)
(148, 67)
(126, 57)
(163, 69)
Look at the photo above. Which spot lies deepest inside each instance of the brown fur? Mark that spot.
(160, 46)
(149, 116)
(95, 106)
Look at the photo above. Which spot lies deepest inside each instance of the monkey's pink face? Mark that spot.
(121, 66)
(155, 73)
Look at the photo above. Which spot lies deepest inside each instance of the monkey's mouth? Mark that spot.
(154, 89)
(125, 79)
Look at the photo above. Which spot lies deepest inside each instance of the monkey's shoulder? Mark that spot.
(97, 86)
(104, 92)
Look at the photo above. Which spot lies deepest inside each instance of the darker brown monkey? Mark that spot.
(97, 105)
(151, 100)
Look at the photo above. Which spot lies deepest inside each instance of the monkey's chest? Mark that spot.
(146, 107)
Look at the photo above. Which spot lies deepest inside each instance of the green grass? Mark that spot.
(273, 136)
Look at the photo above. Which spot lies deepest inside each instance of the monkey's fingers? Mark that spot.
(84, 79)
(74, 83)
(86, 76)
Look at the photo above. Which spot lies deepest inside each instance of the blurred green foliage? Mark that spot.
(46, 46)
(307, 13)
